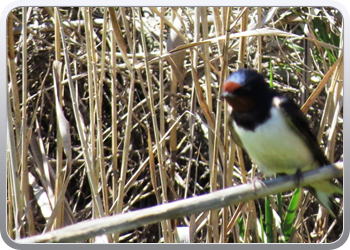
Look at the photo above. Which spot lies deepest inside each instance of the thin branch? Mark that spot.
(226, 197)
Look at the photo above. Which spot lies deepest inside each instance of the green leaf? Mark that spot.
(322, 34)
(287, 225)
(241, 227)
(280, 205)
(268, 221)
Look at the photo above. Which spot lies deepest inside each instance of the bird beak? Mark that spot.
(225, 95)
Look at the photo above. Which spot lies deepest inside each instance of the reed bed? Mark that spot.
(117, 109)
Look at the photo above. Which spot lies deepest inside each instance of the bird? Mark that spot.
(275, 133)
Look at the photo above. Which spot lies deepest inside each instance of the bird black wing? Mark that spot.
(299, 124)
(334, 187)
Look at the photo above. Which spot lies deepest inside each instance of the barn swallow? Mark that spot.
(275, 133)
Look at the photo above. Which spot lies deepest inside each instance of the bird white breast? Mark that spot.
(276, 148)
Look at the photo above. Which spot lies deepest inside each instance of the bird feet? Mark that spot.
(297, 177)
(257, 178)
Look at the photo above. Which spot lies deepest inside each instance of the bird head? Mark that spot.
(244, 89)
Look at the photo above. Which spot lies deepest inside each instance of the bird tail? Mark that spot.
(326, 193)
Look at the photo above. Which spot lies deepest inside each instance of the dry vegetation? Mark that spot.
(112, 110)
